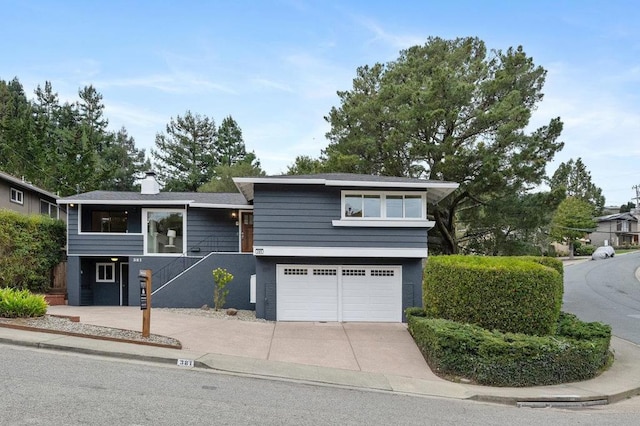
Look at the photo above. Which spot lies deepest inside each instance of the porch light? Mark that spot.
(114, 259)
(234, 215)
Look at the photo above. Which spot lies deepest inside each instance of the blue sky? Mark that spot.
(276, 65)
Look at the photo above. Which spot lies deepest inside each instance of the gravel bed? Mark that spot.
(65, 325)
(241, 315)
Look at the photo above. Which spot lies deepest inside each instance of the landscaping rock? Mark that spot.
(232, 311)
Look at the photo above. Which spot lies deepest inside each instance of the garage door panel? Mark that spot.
(307, 293)
(376, 296)
(313, 293)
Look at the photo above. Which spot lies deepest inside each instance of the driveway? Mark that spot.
(372, 347)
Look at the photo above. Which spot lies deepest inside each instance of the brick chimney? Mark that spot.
(149, 184)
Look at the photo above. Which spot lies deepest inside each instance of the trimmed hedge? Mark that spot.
(30, 246)
(578, 351)
(509, 294)
(21, 303)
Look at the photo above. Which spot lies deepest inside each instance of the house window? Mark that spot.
(48, 209)
(165, 231)
(391, 205)
(622, 226)
(17, 196)
(105, 272)
(103, 220)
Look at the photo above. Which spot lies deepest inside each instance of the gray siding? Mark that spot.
(211, 230)
(207, 231)
(30, 200)
(100, 244)
(298, 215)
(266, 279)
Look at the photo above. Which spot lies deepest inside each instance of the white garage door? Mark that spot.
(339, 293)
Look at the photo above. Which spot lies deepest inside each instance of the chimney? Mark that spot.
(149, 184)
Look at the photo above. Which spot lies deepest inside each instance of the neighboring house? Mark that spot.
(330, 247)
(23, 197)
(616, 230)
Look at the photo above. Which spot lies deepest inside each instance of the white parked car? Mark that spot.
(603, 252)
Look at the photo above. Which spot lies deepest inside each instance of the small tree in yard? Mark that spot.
(222, 277)
(573, 219)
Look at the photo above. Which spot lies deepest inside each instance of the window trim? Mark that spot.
(110, 265)
(51, 205)
(145, 231)
(18, 198)
(81, 232)
(383, 206)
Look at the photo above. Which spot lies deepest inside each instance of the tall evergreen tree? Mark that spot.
(185, 155)
(91, 114)
(446, 110)
(230, 145)
(224, 174)
(574, 177)
(123, 163)
(17, 133)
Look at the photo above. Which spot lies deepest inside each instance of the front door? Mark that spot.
(124, 284)
(246, 232)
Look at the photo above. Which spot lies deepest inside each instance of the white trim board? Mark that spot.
(377, 252)
(385, 223)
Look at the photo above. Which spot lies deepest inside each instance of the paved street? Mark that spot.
(48, 388)
(607, 291)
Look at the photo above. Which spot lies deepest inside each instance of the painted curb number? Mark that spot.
(185, 363)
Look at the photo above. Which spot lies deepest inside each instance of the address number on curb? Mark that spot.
(185, 363)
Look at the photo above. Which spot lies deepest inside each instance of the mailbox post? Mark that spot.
(145, 300)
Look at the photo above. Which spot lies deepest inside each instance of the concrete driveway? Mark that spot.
(372, 347)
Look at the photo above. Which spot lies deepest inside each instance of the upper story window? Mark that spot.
(165, 231)
(98, 220)
(49, 209)
(17, 196)
(622, 226)
(388, 205)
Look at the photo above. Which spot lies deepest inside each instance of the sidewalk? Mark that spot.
(377, 372)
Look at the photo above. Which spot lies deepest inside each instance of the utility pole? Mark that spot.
(637, 197)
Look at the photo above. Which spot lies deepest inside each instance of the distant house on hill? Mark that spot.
(23, 197)
(617, 229)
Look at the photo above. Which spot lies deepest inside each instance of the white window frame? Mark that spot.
(106, 265)
(80, 231)
(383, 205)
(51, 206)
(17, 196)
(145, 229)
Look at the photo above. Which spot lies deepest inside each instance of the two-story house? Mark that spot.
(616, 230)
(329, 247)
(21, 196)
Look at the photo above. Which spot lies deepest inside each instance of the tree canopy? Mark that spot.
(572, 220)
(448, 110)
(194, 152)
(224, 174)
(65, 148)
(574, 177)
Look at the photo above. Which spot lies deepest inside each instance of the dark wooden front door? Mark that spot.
(247, 232)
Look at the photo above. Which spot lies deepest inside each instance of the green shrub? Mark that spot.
(510, 294)
(584, 250)
(221, 277)
(578, 352)
(30, 246)
(550, 262)
(21, 303)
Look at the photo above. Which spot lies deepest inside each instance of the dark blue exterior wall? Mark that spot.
(194, 288)
(208, 230)
(266, 279)
(301, 215)
(211, 230)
